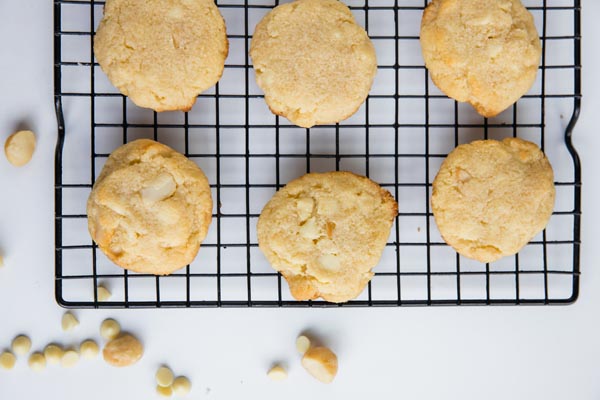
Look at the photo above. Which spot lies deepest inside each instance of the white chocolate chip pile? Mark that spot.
(167, 385)
(19, 148)
(121, 350)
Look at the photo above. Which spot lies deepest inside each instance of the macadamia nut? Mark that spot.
(19, 148)
(321, 363)
(123, 351)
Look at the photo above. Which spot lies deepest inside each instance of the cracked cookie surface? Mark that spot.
(491, 198)
(325, 232)
(162, 53)
(485, 53)
(150, 208)
(315, 64)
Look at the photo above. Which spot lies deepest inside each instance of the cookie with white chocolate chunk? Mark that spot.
(485, 53)
(150, 208)
(325, 232)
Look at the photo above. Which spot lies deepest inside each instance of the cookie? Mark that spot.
(314, 63)
(150, 208)
(485, 53)
(325, 232)
(491, 198)
(162, 53)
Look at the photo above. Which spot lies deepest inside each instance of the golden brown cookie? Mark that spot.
(491, 198)
(313, 61)
(325, 232)
(162, 53)
(485, 53)
(150, 208)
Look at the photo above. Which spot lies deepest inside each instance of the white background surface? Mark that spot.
(409, 353)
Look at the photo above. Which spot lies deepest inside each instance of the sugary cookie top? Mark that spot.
(490, 198)
(313, 61)
(486, 53)
(162, 53)
(325, 232)
(150, 208)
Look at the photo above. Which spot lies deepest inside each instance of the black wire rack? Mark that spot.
(398, 138)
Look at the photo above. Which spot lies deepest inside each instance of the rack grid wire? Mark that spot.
(398, 138)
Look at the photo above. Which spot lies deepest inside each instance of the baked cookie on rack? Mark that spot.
(315, 64)
(491, 198)
(485, 53)
(162, 53)
(150, 208)
(325, 232)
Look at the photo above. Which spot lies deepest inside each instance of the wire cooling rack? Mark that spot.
(398, 138)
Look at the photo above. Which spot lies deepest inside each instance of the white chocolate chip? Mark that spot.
(277, 373)
(19, 148)
(21, 345)
(69, 358)
(69, 322)
(462, 175)
(494, 49)
(305, 207)
(164, 391)
(302, 344)
(103, 293)
(53, 353)
(321, 363)
(164, 377)
(310, 229)
(37, 362)
(329, 261)
(162, 187)
(7, 360)
(110, 329)
(181, 386)
(89, 349)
